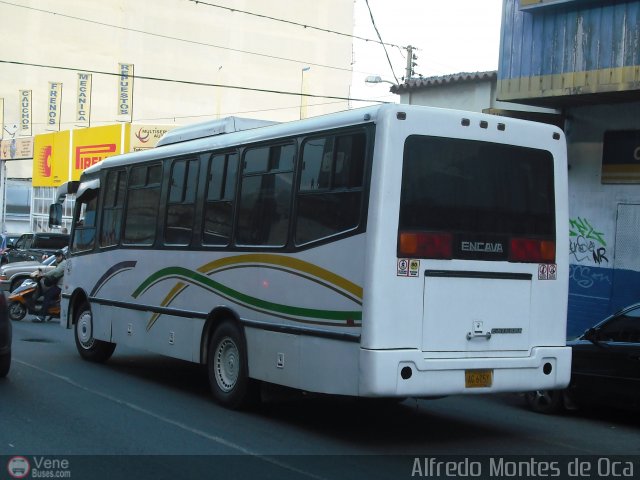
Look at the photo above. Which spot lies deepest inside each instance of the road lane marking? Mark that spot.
(137, 408)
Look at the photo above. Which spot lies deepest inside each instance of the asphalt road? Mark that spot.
(145, 416)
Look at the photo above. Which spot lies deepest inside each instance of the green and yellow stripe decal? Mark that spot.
(294, 266)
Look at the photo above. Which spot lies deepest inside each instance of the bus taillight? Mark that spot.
(425, 245)
(530, 250)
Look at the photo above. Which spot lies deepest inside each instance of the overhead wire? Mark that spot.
(291, 22)
(373, 22)
(175, 118)
(169, 37)
(189, 82)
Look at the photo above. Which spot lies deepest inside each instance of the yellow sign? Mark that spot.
(92, 145)
(51, 159)
(63, 156)
(144, 137)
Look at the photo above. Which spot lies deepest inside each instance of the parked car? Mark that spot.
(605, 367)
(13, 274)
(5, 339)
(33, 246)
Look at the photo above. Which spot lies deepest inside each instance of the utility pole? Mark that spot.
(410, 63)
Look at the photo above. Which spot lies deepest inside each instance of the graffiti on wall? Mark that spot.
(586, 244)
(586, 277)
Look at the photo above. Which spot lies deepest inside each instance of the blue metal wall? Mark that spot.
(578, 48)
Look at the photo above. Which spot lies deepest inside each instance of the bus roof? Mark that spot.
(209, 129)
(247, 133)
(232, 131)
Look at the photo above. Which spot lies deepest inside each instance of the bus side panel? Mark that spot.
(171, 335)
(308, 363)
(102, 322)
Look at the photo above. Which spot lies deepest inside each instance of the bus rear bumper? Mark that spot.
(406, 373)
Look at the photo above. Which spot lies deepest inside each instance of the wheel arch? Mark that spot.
(215, 318)
(78, 297)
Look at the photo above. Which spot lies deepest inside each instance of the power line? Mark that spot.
(204, 115)
(244, 112)
(189, 82)
(290, 22)
(373, 22)
(169, 37)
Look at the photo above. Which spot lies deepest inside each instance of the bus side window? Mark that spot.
(181, 205)
(330, 190)
(143, 198)
(221, 191)
(316, 166)
(265, 196)
(115, 190)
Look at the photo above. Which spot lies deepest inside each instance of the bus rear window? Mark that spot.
(487, 198)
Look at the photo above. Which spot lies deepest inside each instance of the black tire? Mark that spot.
(5, 364)
(16, 311)
(545, 401)
(88, 347)
(227, 368)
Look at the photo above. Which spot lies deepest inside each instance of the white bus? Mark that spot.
(391, 251)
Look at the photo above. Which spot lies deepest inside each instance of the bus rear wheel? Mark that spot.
(88, 347)
(228, 370)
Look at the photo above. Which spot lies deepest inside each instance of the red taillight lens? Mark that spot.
(529, 250)
(425, 245)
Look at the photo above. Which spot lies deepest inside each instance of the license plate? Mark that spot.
(478, 378)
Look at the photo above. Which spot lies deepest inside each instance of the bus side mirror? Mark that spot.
(55, 215)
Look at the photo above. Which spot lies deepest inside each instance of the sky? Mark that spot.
(450, 36)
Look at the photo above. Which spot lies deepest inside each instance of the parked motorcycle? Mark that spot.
(27, 298)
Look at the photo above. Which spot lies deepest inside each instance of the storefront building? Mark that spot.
(574, 64)
(582, 58)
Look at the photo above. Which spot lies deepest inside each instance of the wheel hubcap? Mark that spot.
(84, 330)
(227, 365)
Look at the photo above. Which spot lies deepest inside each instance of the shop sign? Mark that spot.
(55, 101)
(144, 137)
(125, 90)
(25, 113)
(51, 159)
(92, 145)
(83, 99)
(16, 149)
